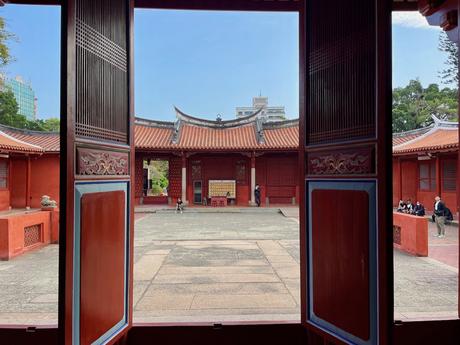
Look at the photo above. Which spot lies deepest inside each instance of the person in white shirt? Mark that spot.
(440, 216)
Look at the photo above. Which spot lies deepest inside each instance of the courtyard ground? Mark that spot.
(239, 265)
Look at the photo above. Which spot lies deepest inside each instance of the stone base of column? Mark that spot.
(252, 203)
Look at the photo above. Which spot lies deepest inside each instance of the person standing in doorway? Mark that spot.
(440, 216)
(257, 195)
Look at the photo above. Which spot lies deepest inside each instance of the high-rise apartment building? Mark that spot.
(24, 95)
(268, 113)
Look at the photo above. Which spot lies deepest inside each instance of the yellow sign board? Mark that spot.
(222, 188)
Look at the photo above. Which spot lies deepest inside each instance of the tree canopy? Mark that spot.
(9, 115)
(5, 36)
(449, 75)
(413, 105)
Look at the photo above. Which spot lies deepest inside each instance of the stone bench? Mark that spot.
(410, 233)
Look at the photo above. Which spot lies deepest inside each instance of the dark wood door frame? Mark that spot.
(445, 332)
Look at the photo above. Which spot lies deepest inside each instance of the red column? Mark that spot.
(438, 176)
(28, 178)
(184, 178)
(400, 179)
(253, 179)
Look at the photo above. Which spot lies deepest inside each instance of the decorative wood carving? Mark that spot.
(241, 172)
(196, 170)
(345, 162)
(99, 162)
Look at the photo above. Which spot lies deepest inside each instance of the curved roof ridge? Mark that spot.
(438, 125)
(216, 124)
(153, 123)
(281, 123)
(413, 131)
(444, 124)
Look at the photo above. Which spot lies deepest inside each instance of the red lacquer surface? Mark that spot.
(340, 242)
(102, 263)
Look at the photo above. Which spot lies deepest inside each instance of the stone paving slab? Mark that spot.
(215, 268)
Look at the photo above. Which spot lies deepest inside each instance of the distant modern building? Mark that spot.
(24, 94)
(268, 114)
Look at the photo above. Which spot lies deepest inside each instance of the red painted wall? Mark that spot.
(18, 182)
(277, 176)
(396, 182)
(409, 175)
(414, 233)
(219, 167)
(4, 199)
(44, 179)
(410, 185)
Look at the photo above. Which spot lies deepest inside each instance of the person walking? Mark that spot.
(257, 195)
(440, 217)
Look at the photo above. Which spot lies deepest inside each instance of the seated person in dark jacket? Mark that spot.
(401, 206)
(409, 207)
(419, 210)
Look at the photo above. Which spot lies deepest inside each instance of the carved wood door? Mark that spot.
(96, 180)
(345, 142)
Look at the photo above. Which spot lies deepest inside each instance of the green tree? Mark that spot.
(5, 38)
(9, 115)
(413, 105)
(9, 111)
(449, 75)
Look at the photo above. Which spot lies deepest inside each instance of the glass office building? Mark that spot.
(24, 94)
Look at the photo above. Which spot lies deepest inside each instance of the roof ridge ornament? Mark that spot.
(176, 132)
(260, 135)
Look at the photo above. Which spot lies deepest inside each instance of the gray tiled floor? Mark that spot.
(216, 267)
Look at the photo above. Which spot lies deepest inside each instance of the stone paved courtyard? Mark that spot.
(216, 267)
(223, 267)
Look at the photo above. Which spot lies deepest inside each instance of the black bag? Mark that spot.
(448, 215)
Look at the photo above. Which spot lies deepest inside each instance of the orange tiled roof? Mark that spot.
(197, 137)
(435, 141)
(442, 136)
(192, 133)
(147, 137)
(10, 144)
(48, 141)
(284, 137)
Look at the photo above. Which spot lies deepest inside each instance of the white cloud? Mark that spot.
(412, 20)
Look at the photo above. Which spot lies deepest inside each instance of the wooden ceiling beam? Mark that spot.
(405, 6)
(216, 5)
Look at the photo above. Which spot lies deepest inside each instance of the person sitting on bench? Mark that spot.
(179, 205)
(419, 209)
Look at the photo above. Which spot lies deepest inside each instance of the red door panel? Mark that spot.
(97, 179)
(345, 138)
(340, 256)
(102, 263)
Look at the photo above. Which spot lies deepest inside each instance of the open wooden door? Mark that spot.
(346, 244)
(96, 174)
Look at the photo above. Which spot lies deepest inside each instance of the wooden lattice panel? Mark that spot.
(342, 74)
(102, 64)
(32, 235)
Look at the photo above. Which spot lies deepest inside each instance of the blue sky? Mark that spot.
(206, 63)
